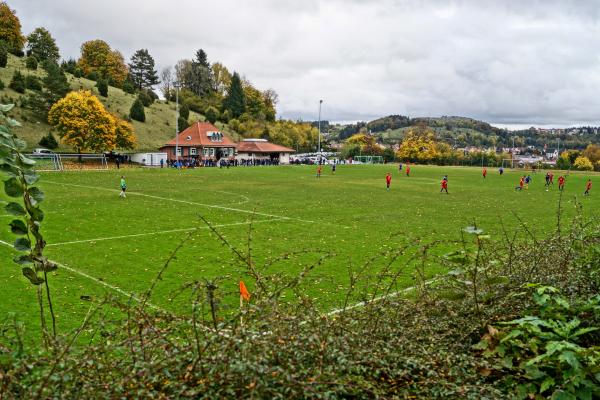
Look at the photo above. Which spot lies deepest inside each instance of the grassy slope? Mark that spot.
(352, 213)
(158, 128)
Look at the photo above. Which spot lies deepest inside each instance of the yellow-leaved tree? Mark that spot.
(124, 137)
(83, 123)
(418, 145)
(99, 58)
(583, 163)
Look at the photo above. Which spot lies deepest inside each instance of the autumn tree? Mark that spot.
(10, 29)
(83, 123)
(141, 70)
(592, 152)
(418, 145)
(582, 163)
(124, 136)
(42, 46)
(221, 78)
(98, 58)
(235, 101)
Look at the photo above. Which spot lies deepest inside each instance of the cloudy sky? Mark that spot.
(507, 62)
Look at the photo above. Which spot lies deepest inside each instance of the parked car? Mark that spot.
(42, 151)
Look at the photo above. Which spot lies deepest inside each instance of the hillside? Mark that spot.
(463, 131)
(158, 128)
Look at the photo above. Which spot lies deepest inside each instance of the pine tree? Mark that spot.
(3, 54)
(17, 82)
(184, 111)
(102, 87)
(182, 124)
(49, 141)
(201, 79)
(212, 114)
(141, 70)
(137, 111)
(235, 101)
(55, 83)
(31, 63)
(42, 46)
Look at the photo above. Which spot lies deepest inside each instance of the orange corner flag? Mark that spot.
(244, 292)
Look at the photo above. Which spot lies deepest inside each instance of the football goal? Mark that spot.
(83, 161)
(368, 159)
(62, 162)
(46, 162)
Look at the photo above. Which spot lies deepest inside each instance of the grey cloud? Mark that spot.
(532, 62)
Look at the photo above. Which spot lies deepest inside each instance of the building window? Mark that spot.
(205, 151)
(212, 151)
(192, 151)
(178, 151)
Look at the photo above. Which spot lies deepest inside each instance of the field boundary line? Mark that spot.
(100, 282)
(184, 202)
(379, 298)
(163, 232)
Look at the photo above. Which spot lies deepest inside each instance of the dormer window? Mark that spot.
(188, 138)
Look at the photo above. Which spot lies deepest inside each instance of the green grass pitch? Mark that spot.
(109, 244)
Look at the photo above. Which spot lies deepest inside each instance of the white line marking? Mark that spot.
(379, 298)
(100, 282)
(184, 201)
(162, 232)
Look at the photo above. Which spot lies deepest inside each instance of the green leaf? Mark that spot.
(26, 161)
(21, 144)
(13, 187)
(13, 208)
(23, 259)
(562, 395)
(31, 177)
(4, 108)
(18, 227)
(547, 384)
(36, 193)
(22, 244)
(36, 214)
(570, 358)
(32, 276)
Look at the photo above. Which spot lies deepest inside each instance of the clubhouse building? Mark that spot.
(203, 141)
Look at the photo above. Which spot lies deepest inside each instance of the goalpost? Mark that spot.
(83, 161)
(369, 159)
(62, 162)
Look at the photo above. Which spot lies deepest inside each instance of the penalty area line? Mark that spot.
(163, 232)
(102, 283)
(185, 202)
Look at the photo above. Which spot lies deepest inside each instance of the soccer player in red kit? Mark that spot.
(484, 172)
(588, 187)
(444, 184)
(388, 180)
(407, 170)
(561, 183)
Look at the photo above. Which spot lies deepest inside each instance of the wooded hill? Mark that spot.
(158, 128)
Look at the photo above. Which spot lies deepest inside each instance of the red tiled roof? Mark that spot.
(197, 135)
(262, 147)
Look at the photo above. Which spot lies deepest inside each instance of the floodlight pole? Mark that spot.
(176, 85)
(320, 102)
